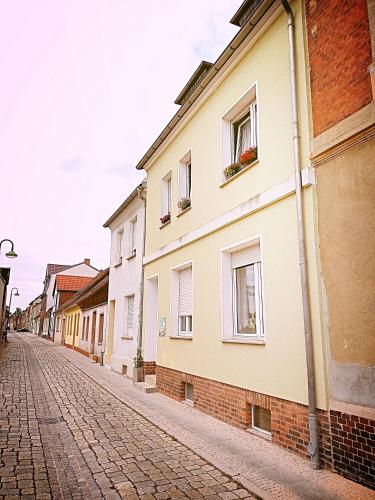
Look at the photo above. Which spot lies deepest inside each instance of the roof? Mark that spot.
(71, 283)
(194, 81)
(101, 281)
(73, 301)
(245, 11)
(262, 6)
(122, 207)
(5, 274)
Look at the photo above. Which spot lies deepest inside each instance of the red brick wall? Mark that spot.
(149, 367)
(289, 420)
(339, 49)
(353, 447)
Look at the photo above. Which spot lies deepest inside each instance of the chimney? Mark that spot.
(87, 261)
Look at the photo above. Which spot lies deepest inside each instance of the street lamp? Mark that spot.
(11, 254)
(10, 303)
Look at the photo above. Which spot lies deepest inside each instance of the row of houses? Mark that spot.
(241, 269)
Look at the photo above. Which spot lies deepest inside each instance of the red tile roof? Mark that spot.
(71, 283)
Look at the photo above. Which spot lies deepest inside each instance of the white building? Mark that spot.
(125, 284)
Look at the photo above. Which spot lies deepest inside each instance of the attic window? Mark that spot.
(194, 82)
(246, 10)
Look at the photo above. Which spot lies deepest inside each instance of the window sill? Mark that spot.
(245, 169)
(243, 341)
(118, 264)
(181, 337)
(165, 224)
(183, 211)
(129, 257)
(260, 433)
(126, 337)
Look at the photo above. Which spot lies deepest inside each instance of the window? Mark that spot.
(166, 194)
(184, 180)
(129, 305)
(132, 240)
(189, 393)
(58, 324)
(261, 419)
(244, 131)
(239, 132)
(242, 292)
(83, 328)
(87, 327)
(120, 235)
(185, 303)
(101, 328)
(247, 297)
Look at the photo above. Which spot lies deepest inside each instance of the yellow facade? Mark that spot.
(277, 366)
(73, 321)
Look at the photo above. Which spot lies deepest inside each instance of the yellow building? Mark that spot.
(72, 317)
(223, 300)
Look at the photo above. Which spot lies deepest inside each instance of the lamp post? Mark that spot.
(10, 303)
(11, 254)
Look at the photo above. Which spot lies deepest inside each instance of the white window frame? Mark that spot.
(166, 194)
(175, 319)
(132, 237)
(228, 305)
(127, 331)
(254, 427)
(247, 103)
(119, 241)
(184, 189)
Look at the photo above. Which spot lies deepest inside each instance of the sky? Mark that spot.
(86, 87)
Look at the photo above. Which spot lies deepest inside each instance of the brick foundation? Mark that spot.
(353, 447)
(289, 421)
(149, 367)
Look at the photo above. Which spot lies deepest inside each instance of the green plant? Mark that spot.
(184, 203)
(231, 170)
(138, 359)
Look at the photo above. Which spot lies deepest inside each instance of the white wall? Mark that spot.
(124, 280)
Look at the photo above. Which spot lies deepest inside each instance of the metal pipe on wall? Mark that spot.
(313, 447)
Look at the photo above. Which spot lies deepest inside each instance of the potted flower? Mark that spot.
(138, 371)
(166, 218)
(232, 170)
(248, 156)
(184, 203)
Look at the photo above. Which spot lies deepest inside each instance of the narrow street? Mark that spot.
(64, 436)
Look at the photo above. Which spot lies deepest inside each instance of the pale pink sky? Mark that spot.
(85, 88)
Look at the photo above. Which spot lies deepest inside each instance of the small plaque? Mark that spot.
(162, 327)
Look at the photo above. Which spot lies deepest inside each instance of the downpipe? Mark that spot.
(313, 446)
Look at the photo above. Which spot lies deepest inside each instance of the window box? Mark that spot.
(184, 203)
(165, 219)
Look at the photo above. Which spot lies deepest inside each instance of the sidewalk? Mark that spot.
(260, 466)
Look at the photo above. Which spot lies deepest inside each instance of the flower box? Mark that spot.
(184, 203)
(248, 156)
(232, 170)
(166, 218)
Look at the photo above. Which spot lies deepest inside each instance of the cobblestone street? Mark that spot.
(64, 436)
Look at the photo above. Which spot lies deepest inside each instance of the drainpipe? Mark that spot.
(313, 447)
(141, 193)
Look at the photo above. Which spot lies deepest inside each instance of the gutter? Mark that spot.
(313, 446)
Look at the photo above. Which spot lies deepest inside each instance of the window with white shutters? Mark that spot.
(130, 316)
(247, 292)
(185, 301)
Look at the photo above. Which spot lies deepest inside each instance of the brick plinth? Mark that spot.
(353, 447)
(149, 367)
(289, 420)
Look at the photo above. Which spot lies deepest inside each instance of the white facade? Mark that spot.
(127, 233)
(89, 332)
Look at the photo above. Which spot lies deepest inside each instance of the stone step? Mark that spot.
(144, 387)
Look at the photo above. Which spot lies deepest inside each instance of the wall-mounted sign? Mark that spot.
(162, 327)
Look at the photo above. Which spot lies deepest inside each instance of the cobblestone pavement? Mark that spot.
(64, 436)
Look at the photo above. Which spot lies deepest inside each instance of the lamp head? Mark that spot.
(11, 254)
(17, 294)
